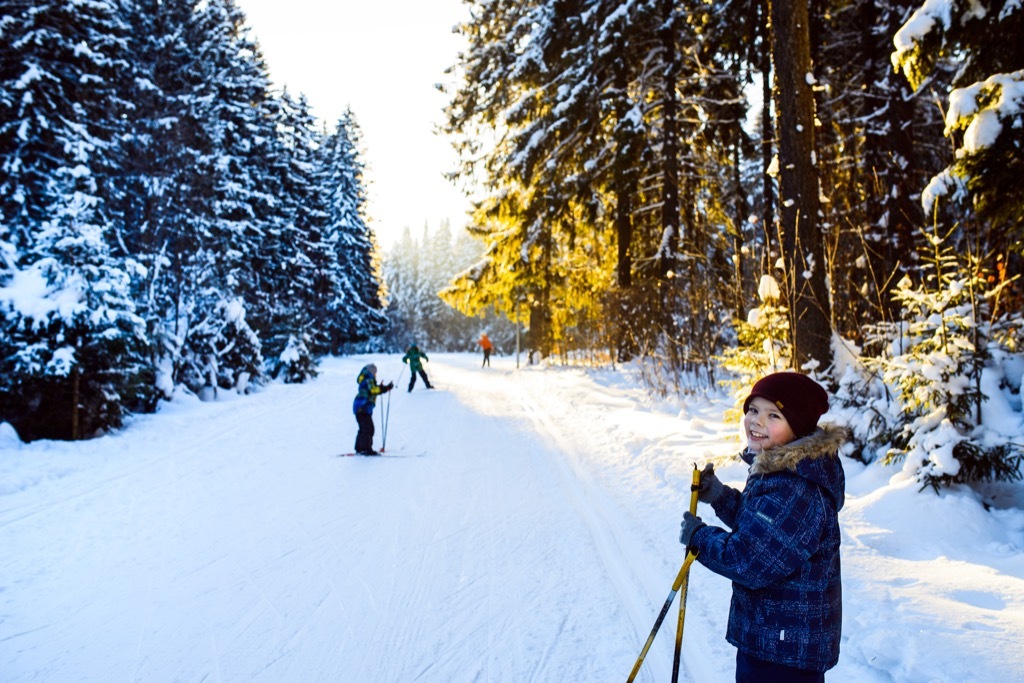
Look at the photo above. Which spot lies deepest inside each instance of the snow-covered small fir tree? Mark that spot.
(221, 350)
(296, 363)
(946, 368)
(763, 341)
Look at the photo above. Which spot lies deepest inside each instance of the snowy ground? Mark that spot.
(535, 540)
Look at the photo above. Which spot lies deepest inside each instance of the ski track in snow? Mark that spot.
(535, 541)
(238, 552)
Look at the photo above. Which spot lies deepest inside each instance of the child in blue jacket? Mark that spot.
(781, 548)
(363, 405)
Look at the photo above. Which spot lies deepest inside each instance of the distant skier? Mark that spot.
(412, 357)
(362, 406)
(487, 346)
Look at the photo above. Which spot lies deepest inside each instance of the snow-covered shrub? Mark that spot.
(862, 402)
(221, 351)
(763, 338)
(74, 357)
(953, 411)
(984, 113)
(296, 363)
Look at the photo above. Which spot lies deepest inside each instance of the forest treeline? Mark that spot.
(830, 186)
(710, 189)
(415, 269)
(167, 219)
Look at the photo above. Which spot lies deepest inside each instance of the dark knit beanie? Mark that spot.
(800, 399)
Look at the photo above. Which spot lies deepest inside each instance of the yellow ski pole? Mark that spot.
(681, 579)
(690, 556)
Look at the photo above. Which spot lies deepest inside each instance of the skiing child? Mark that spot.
(487, 347)
(363, 405)
(412, 357)
(781, 550)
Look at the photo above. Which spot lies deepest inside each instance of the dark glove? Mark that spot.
(710, 485)
(388, 387)
(690, 524)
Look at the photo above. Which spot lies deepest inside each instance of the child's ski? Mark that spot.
(384, 455)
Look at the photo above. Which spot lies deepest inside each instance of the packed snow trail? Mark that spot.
(536, 540)
(245, 550)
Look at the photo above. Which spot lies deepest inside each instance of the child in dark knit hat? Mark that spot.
(781, 547)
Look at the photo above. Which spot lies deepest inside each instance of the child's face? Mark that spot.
(765, 425)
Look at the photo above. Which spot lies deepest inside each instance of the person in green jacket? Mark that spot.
(413, 357)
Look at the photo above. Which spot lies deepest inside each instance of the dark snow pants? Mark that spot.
(412, 379)
(753, 670)
(364, 439)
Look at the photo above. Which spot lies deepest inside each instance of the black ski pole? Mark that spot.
(694, 489)
(681, 578)
(387, 414)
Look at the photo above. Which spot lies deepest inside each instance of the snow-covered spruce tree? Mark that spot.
(159, 202)
(434, 251)
(354, 310)
(232, 103)
(293, 256)
(296, 363)
(190, 200)
(73, 354)
(985, 112)
(221, 351)
(401, 273)
(59, 106)
(945, 367)
(442, 327)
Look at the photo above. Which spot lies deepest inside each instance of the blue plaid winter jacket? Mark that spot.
(782, 553)
(366, 397)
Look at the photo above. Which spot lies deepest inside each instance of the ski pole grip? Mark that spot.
(694, 490)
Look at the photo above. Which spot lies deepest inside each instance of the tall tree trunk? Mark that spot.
(623, 174)
(803, 252)
(670, 143)
(741, 212)
(767, 137)
(893, 160)
(75, 401)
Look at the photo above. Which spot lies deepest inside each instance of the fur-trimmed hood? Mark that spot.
(814, 457)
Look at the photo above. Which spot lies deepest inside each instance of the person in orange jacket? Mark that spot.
(487, 346)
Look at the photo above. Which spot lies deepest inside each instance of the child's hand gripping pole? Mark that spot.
(680, 582)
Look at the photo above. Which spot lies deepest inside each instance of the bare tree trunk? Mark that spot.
(803, 252)
(742, 211)
(75, 401)
(623, 175)
(897, 171)
(767, 133)
(670, 142)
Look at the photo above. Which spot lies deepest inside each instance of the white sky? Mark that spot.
(382, 59)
